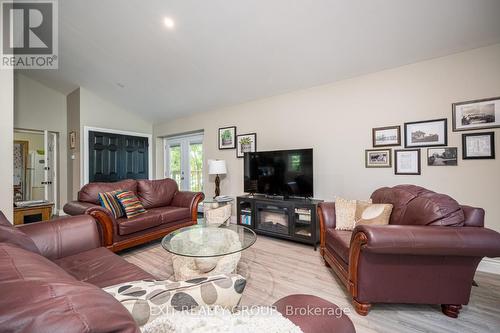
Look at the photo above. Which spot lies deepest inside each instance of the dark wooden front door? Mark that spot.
(114, 157)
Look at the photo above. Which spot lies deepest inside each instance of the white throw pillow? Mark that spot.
(345, 212)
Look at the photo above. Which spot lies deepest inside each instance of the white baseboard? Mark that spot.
(489, 265)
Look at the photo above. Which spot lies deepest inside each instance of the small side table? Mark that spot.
(24, 215)
(224, 210)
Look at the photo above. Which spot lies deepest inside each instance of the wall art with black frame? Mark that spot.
(427, 133)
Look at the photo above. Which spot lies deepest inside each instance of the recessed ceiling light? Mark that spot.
(169, 23)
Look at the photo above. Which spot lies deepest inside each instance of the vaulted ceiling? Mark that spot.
(224, 52)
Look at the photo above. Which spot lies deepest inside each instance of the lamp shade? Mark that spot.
(217, 167)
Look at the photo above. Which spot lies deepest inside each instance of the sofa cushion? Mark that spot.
(12, 235)
(415, 205)
(18, 263)
(90, 192)
(434, 209)
(173, 214)
(101, 267)
(339, 241)
(156, 193)
(149, 219)
(61, 307)
(399, 197)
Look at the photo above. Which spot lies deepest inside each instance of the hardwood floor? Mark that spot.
(276, 268)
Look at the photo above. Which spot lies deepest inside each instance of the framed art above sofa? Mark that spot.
(477, 114)
(386, 136)
(378, 158)
(407, 162)
(427, 133)
(477, 146)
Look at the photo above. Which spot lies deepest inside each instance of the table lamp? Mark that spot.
(217, 167)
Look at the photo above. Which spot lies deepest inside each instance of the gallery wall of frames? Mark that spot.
(430, 139)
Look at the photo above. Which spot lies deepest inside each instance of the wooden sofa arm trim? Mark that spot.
(194, 206)
(106, 226)
(322, 231)
(357, 243)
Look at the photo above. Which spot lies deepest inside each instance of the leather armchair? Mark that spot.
(428, 254)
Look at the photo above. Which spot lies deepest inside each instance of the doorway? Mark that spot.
(35, 166)
(184, 161)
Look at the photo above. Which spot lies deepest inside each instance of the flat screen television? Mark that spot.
(287, 173)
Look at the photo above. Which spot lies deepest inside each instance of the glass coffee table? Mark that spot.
(203, 249)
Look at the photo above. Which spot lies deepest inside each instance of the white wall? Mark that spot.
(6, 142)
(39, 107)
(87, 109)
(97, 112)
(336, 120)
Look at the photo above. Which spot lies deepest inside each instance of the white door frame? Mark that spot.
(57, 210)
(180, 139)
(55, 171)
(84, 146)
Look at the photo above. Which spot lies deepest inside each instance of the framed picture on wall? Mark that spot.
(477, 114)
(478, 146)
(447, 156)
(227, 137)
(386, 136)
(427, 133)
(246, 143)
(378, 158)
(407, 162)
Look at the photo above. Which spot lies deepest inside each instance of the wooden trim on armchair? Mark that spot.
(337, 267)
(330, 258)
(322, 231)
(358, 241)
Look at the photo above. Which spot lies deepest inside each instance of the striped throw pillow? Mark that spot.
(130, 203)
(109, 201)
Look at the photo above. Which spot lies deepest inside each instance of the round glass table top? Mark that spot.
(203, 240)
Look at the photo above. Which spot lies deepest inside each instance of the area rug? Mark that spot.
(219, 320)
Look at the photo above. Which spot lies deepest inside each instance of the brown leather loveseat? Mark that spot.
(167, 209)
(428, 253)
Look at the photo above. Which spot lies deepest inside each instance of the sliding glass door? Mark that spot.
(184, 161)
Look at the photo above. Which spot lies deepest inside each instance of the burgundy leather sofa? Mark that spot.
(167, 209)
(428, 253)
(51, 275)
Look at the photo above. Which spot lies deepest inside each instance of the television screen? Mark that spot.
(287, 173)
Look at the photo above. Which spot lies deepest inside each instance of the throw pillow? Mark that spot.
(375, 214)
(148, 299)
(109, 201)
(345, 212)
(130, 203)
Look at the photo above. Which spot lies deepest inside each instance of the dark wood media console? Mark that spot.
(292, 219)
